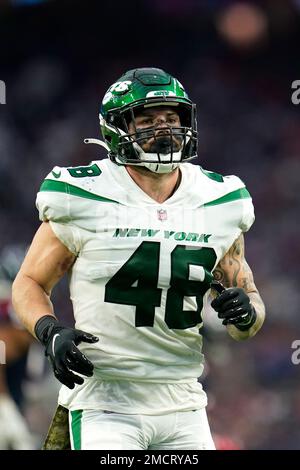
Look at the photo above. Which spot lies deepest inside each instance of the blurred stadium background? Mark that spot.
(237, 61)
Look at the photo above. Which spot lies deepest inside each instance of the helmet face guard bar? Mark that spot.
(127, 151)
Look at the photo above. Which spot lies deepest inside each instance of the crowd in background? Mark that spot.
(247, 126)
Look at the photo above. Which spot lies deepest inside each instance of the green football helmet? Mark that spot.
(143, 88)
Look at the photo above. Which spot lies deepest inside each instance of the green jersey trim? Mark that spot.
(76, 417)
(233, 196)
(61, 187)
(212, 175)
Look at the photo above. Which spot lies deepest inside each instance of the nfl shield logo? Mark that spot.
(162, 214)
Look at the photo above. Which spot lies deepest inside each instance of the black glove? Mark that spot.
(234, 307)
(60, 348)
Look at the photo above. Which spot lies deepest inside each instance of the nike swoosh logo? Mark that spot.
(56, 175)
(53, 343)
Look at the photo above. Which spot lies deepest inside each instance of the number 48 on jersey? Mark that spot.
(136, 283)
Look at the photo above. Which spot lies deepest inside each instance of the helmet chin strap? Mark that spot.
(167, 163)
(161, 167)
(156, 167)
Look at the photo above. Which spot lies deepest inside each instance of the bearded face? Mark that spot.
(156, 130)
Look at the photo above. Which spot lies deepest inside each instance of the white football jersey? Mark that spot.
(143, 268)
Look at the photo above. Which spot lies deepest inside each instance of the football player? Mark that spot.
(142, 235)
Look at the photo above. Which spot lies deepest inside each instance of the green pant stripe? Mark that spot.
(76, 428)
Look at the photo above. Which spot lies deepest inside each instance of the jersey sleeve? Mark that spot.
(237, 186)
(236, 190)
(248, 215)
(54, 206)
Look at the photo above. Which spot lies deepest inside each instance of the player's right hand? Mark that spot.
(60, 347)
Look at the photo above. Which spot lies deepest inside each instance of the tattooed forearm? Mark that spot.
(246, 278)
(234, 271)
(235, 260)
(219, 275)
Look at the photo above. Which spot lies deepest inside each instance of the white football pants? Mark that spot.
(105, 430)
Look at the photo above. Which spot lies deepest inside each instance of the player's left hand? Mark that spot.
(234, 308)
